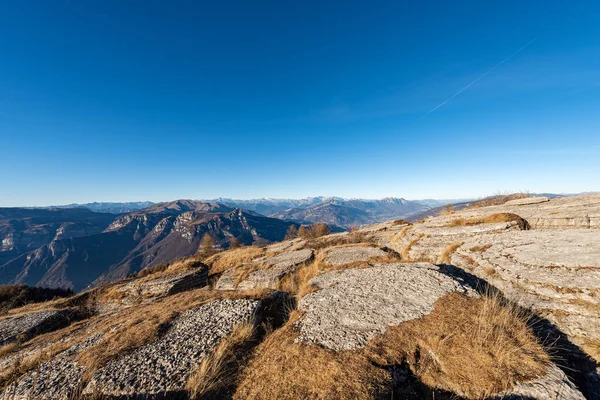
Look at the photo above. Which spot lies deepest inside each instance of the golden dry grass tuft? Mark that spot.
(592, 347)
(405, 252)
(298, 283)
(480, 249)
(233, 258)
(446, 255)
(491, 272)
(470, 262)
(217, 373)
(472, 347)
(448, 210)
(490, 219)
(353, 237)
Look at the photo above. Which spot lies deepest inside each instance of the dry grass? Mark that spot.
(490, 219)
(480, 249)
(491, 272)
(592, 347)
(282, 369)
(405, 253)
(298, 283)
(178, 266)
(354, 237)
(472, 347)
(588, 305)
(123, 332)
(397, 238)
(559, 289)
(217, 373)
(446, 255)
(233, 258)
(448, 210)
(471, 263)
(9, 348)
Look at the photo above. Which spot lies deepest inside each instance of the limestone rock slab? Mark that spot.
(553, 385)
(353, 305)
(175, 284)
(267, 277)
(346, 255)
(527, 201)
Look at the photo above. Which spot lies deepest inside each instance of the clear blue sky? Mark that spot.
(143, 100)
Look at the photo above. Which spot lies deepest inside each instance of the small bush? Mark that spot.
(315, 231)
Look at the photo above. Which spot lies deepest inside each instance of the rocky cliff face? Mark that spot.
(494, 302)
(23, 230)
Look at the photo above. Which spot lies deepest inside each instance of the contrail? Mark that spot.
(480, 77)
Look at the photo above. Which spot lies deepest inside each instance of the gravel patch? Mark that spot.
(163, 366)
(29, 325)
(59, 378)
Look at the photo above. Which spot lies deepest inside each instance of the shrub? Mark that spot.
(312, 232)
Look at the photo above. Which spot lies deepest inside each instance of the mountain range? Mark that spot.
(109, 207)
(336, 211)
(75, 248)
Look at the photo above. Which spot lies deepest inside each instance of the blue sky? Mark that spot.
(146, 100)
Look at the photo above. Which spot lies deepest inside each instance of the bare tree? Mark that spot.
(292, 232)
(207, 246)
(234, 243)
